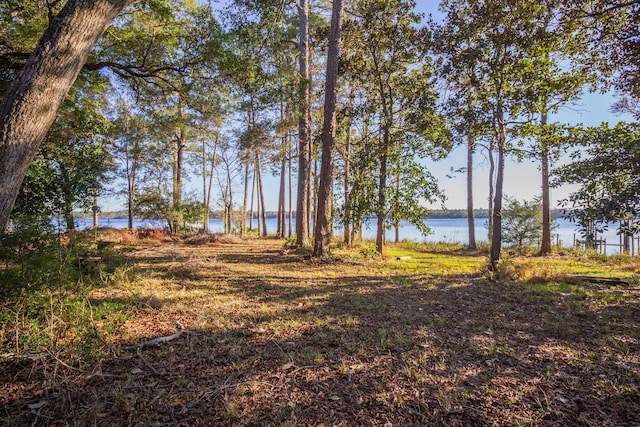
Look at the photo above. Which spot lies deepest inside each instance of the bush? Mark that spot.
(521, 224)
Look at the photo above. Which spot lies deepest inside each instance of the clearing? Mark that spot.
(273, 339)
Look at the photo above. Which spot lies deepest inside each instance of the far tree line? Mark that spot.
(344, 101)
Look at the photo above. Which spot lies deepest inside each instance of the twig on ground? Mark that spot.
(157, 341)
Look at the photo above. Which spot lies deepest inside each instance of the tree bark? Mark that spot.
(470, 214)
(31, 102)
(95, 209)
(492, 174)
(281, 195)
(347, 190)
(382, 199)
(178, 174)
(324, 212)
(253, 188)
(496, 240)
(243, 224)
(396, 221)
(290, 231)
(281, 228)
(304, 130)
(545, 246)
(261, 199)
(205, 200)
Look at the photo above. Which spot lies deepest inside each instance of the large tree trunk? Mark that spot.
(31, 103)
(470, 216)
(304, 125)
(324, 213)
(545, 247)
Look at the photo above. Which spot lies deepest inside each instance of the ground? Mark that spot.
(271, 338)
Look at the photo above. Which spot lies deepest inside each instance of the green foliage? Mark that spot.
(522, 223)
(607, 171)
(29, 257)
(369, 250)
(33, 258)
(383, 58)
(72, 164)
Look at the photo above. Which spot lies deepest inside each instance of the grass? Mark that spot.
(273, 339)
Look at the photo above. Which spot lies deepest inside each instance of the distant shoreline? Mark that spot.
(434, 214)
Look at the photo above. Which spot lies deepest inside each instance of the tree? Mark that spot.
(324, 221)
(129, 140)
(72, 164)
(30, 104)
(607, 172)
(384, 54)
(303, 204)
(522, 223)
(499, 45)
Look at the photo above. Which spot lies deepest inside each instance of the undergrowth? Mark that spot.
(45, 309)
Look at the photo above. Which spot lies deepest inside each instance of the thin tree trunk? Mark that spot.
(258, 210)
(290, 156)
(205, 216)
(382, 199)
(243, 224)
(397, 220)
(180, 144)
(130, 201)
(261, 201)
(211, 172)
(496, 241)
(304, 125)
(347, 190)
(229, 206)
(132, 170)
(282, 226)
(470, 214)
(324, 211)
(545, 246)
(492, 173)
(30, 104)
(387, 121)
(253, 187)
(95, 211)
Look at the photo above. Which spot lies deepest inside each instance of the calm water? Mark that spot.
(449, 230)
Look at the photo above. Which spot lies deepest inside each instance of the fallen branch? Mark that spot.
(157, 341)
(601, 280)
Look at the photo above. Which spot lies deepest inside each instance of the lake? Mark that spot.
(449, 230)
